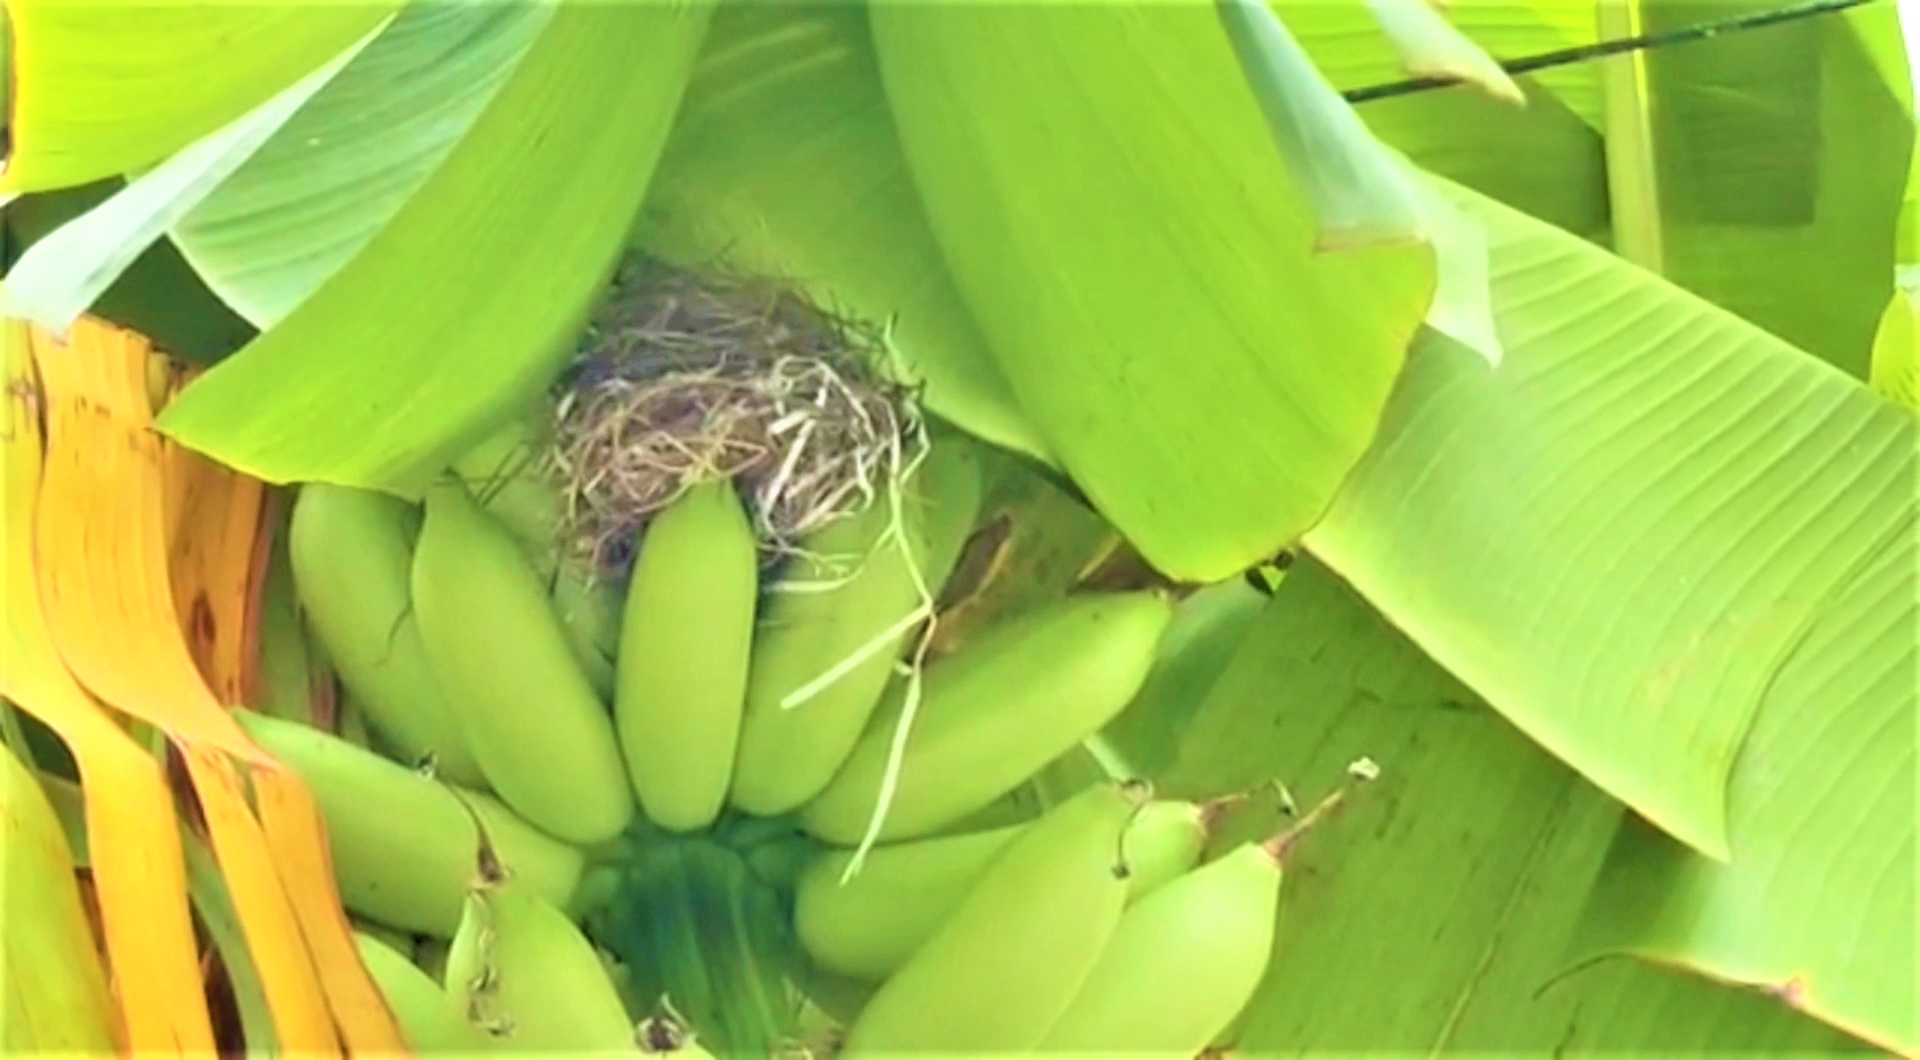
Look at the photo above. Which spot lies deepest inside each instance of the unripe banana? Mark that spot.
(401, 843)
(1181, 964)
(351, 726)
(995, 712)
(589, 610)
(868, 926)
(286, 681)
(352, 558)
(429, 1020)
(430, 956)
(789, 754)
(681, 672)
(392, 938)
(524, 974)
(52, 983)
(1009, 960)
(506, 474)
(1164, 841)
(538, 730)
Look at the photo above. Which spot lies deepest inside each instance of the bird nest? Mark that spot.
(685, 377)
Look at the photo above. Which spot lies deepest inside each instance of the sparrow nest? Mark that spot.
(684, 377)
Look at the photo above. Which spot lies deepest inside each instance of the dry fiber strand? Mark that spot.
(685, 377)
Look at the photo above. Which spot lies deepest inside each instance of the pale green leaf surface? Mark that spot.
(471, 298)
(784, 161)
(1125, 275)
(1431, 916)
(313, 195)
(1637, 446)
(62, 275)
(101, 89)
(1631, 536)
(1629, 1008)
(1430, 46)
(1818, 903)
(1783, 157)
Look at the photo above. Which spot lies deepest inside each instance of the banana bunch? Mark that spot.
(1093, 931)
(646, 816)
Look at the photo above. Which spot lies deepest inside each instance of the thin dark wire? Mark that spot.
(1686, 34)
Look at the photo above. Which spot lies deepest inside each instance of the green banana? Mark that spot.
(351, 556)
(286, 669)
(429, 1020)
(351, 725)
(995, 712)
(1007, 963)
(789, 754)
(1163, 842)
(869, 925)
(681, 673)
(430, 956)
(52, 980)
(392, 938)
(521, 971)
(402, 843)
(1181, 964)
(507, 475)
(589, 611)
(540, 733)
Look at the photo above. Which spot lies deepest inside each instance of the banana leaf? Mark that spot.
(444, 322)
(1670, 548)
(1125, 274)
(1434, 915)
(105, 89)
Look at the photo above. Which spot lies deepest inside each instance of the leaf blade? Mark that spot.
(172, 74)
(1070, 250)
(478, 322)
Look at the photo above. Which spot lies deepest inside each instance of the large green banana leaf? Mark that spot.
(60, 276)
(446, 320)
(105, 89)
(1653, 525)
(1098, 181)
(784, 161)
(1434, 914)
(340, 169)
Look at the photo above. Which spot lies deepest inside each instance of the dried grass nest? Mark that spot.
(686, 376)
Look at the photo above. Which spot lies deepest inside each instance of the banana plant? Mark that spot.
(1557, 374)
